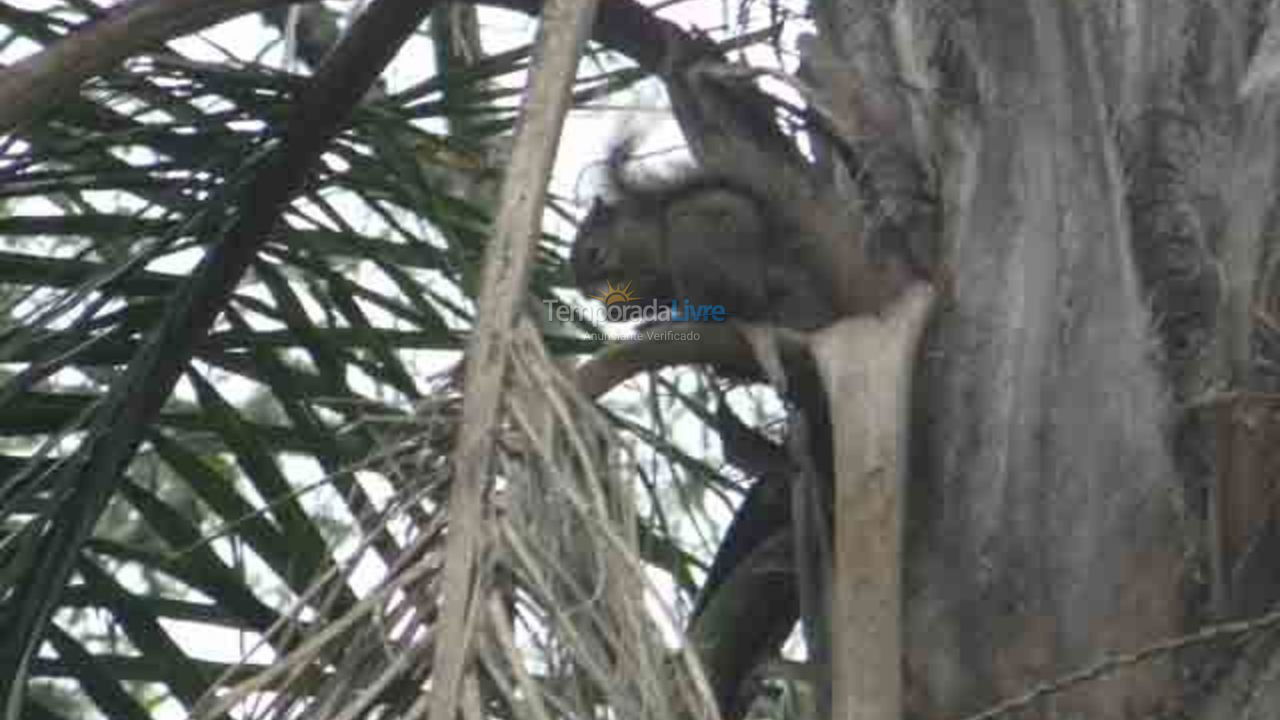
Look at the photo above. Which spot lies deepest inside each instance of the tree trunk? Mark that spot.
(1045, 527)
(1049, 522)
(1104, 176)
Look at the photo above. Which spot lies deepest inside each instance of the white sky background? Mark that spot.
(587, 135)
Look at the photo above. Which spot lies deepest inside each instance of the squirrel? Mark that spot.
(761, 239)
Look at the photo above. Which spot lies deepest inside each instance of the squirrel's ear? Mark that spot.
(595, 217)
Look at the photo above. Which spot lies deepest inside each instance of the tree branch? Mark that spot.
(562, 35)
(31, 86)
(866, 364)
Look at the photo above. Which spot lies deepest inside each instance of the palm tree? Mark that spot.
(221, 278)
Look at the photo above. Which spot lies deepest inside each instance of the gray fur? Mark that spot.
(744, 233)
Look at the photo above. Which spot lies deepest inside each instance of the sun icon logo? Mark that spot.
(611, 295)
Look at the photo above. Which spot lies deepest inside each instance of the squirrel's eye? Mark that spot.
(595, 256)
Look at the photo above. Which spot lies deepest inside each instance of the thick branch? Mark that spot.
(719, 345)
(31, 86)
(749, 616)
(562, 36)
(866, 364)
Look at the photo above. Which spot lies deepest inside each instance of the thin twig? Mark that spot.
(1110, 663)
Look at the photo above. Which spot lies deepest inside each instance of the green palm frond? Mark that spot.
(222, 507)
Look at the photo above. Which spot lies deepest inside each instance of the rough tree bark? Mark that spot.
(1091, 160)
(1045, 525)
